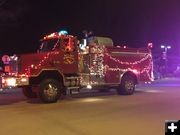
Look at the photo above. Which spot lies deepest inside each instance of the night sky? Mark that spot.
(131, 22)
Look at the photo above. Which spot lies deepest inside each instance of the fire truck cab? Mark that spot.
(63, 64)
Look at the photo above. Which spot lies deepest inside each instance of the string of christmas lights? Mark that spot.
(38, 66)
(147, 56)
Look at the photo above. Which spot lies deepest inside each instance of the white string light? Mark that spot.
(147, 56)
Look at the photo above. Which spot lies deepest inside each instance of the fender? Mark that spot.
(132, 73)
(46, 73)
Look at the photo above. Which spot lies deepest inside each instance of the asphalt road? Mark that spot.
(143, 113)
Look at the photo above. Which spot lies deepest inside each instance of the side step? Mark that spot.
(72, 90)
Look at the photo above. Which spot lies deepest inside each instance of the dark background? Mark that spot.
(129, 22)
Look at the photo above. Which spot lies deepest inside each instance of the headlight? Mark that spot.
(24, 80)
(10, 82)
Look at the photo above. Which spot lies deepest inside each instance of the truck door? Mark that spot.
(65, 56)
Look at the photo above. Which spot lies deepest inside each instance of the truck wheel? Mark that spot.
(50, 90)
(27, 91)
(127, 85)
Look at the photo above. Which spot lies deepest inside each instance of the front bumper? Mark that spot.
(10, 82)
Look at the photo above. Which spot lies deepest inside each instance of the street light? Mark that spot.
(165, 50)
(165, 47)
(164, 56)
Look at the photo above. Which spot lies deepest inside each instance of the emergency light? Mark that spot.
(63, 32)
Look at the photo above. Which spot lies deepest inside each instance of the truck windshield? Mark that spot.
(49, 45)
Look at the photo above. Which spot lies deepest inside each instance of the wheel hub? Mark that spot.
(129, 85)
(51, 91)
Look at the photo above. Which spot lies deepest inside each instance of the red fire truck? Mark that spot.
(64, 64)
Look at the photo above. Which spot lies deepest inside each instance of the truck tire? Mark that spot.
(50, 90)
(27, 91)
(127, 86)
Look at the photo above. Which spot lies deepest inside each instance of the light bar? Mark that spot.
(63, 32)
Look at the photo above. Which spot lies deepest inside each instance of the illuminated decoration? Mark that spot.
(7, 68)
(124, 46)
(134, 71)
(63, 32)
(99, 69)
(38, 66)
(53, 35)
(69, 46)
(32, 65)
(146, 70)
(89, 86)
(68, 59)
(147, 56)
(10, 82)
(97, 63)
(97, 49)
(150, 45)
(24, 80)
(56, 34)
(97, 66)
